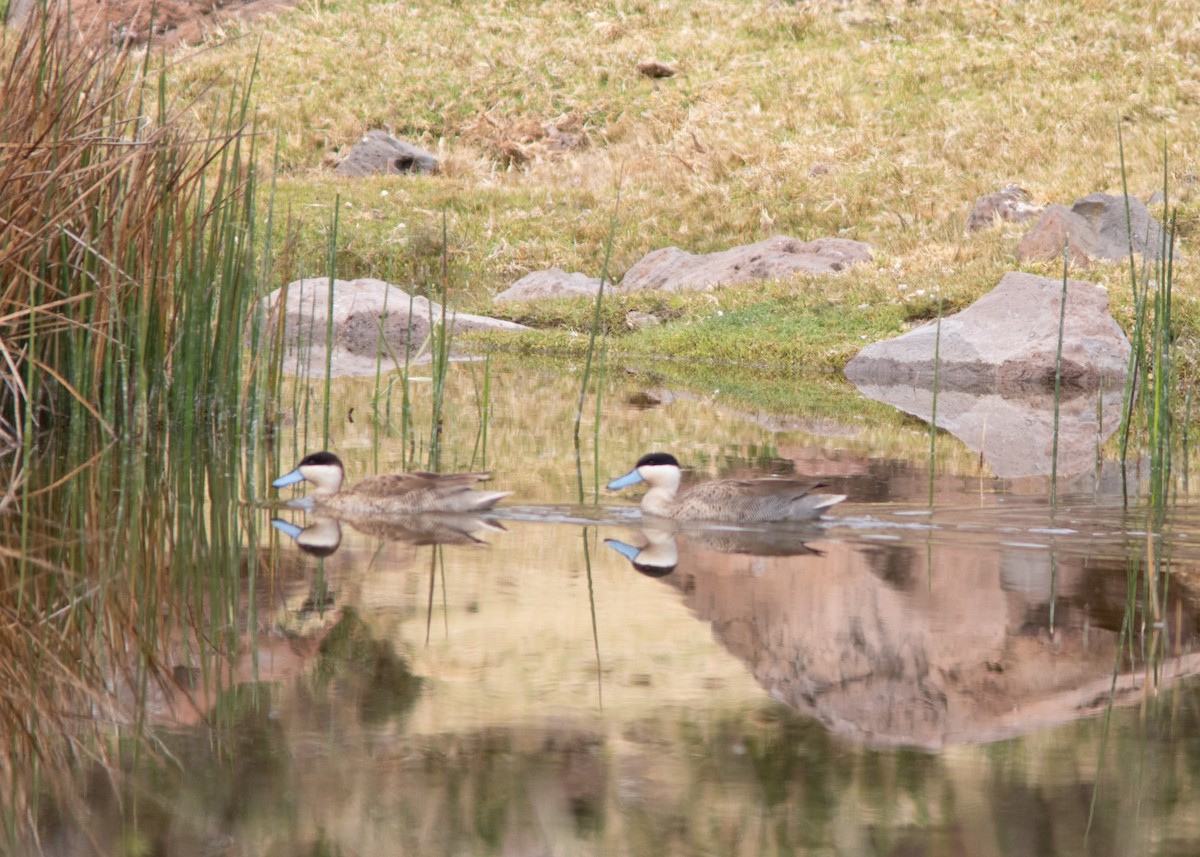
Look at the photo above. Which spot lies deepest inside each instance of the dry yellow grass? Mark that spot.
(880, 121)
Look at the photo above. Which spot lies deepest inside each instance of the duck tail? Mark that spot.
(824, 501)
(482, 500)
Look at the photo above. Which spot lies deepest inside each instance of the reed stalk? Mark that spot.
(937, 362)
(440, 345)
(331, 267)
(129, 287)
(591, 349)
(1062, 320)
(483, 409)
(126, 258)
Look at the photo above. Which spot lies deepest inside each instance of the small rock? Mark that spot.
(656, 69)
(550, 283)
(673, 270)
(636, 320)
(379, 153)
(1009, 204)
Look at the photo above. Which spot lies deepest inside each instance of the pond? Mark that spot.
(986, 674)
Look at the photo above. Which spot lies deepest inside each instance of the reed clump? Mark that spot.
(126, 236)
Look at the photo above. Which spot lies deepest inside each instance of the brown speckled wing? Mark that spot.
(792, 488)
(745, 500)
(399, 484)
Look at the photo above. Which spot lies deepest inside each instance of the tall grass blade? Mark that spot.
(1062, 320)
(937, 362)
(592, 335)
(331, 267)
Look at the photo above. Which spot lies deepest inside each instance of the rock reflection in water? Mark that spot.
(1015, 435)
(929, 646)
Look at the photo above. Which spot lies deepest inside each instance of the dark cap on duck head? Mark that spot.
(653, 459)
(321, 458)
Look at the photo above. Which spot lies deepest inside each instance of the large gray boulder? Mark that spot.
(673, 270)
(379, 153)
(996, 362)
(1059, 226)
(551, 283)
(1096, 228)
(1006, 342)
(374, 323)
(1114, 227)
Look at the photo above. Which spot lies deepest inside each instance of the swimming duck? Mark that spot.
(393, 493)
(730, 500)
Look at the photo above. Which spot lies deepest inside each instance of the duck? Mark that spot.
(389, 494)
(739, 501)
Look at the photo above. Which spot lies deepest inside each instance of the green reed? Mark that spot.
(1062, 320)
(1152, 390)
(126, 240)
(440, 352)
(589, 356)
(483, 410)
(129, 314)
(331, 269)
(937, 362)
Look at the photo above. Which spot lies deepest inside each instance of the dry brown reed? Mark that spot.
(103, 209)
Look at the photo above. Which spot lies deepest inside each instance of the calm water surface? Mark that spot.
(971, 678)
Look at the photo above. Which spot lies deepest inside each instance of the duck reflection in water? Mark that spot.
(761, 500)
(389, 494)
(323, 536)
(659, 554)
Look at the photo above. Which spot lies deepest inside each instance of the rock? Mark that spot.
(379, 153)
(1106, 214)
(1056, 225)
(1095, 228)
(1006, 342)
(656, 69)
(551, 283)
(636, 320)
(673, 270)
(359, 306)
(1009, 204)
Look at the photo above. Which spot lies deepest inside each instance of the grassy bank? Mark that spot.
(876, 121)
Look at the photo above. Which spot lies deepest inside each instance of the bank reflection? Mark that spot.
(925, 641)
